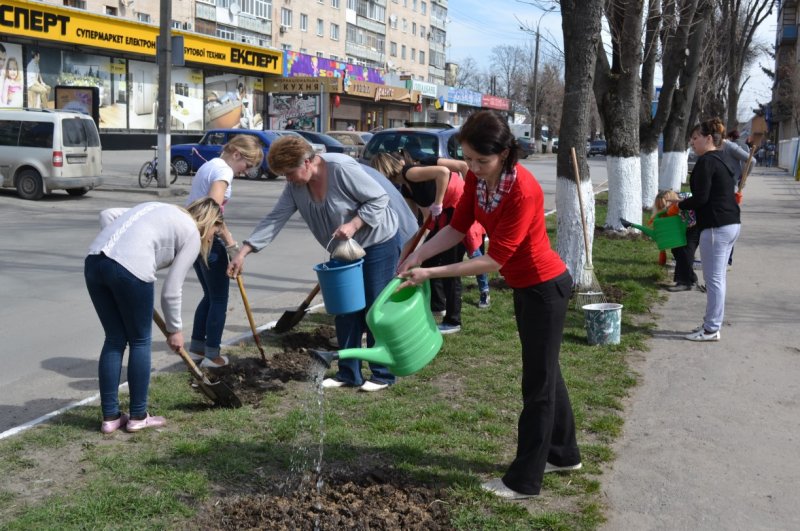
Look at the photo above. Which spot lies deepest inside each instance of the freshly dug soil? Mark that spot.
(378, 500)
(344, 497)
(250, 379)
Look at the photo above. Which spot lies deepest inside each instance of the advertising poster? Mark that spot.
(186, 98)
(142, 109)
(294, 111)
(41, 75)
(224, 103)
(80, 99)
(300, 64)
(12, 75)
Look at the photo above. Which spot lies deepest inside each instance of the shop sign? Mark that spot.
(464, 96)
(495, 102)
(426, 89)
(381, 92)
(310, 85)
(304, 65)
(450, 107)
(53, 23)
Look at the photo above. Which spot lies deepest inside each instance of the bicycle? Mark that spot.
(149, 171)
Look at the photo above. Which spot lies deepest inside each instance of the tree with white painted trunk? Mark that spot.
(580, 23)
(667, 28)
(617, 89)
(674, 166)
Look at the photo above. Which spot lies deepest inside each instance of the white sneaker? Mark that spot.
(554, 468)
(369, 386)
(208, 363)
(439, 313)
(702, 335)
(333, 383)
(499, 489)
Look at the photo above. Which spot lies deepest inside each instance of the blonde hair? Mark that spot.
(207, 215)
(663, 199)
(389, 165)
(288, 153)
(248, 146)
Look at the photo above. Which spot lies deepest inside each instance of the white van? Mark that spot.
(43, 150)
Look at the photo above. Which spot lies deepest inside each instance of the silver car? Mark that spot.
(43, 150)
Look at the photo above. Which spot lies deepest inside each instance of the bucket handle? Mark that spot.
(330, 253)
(388, 291)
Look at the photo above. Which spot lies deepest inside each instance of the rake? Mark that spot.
(588, 288)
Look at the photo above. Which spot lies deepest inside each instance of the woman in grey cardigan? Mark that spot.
(337, 199)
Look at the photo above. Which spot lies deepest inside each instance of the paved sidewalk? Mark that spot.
(712, 432)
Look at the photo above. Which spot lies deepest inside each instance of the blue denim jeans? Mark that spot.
(124, 305)
(483, 278)
(209, 317)
(715, 247)
(380, 265)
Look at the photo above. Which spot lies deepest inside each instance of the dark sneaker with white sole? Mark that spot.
(703, 335)
(555, 468)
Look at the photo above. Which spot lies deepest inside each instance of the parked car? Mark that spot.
(597, 147)
(43, 150)
(352, 138)
(187, 158)
(318, 148)
(420, 142)
(331, 144)
(527, 146)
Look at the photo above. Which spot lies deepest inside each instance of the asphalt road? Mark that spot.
(51, 335)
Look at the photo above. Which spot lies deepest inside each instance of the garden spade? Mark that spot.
(217, 392)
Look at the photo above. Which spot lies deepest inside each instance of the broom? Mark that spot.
(588, 288)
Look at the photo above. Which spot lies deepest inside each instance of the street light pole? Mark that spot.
(534, 114)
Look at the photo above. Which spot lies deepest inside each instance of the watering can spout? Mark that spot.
(648, 231)
(324, 357)
(377, 354)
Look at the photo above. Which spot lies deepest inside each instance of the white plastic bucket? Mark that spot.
(603, 323)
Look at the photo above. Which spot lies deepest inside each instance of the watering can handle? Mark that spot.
(388, 291)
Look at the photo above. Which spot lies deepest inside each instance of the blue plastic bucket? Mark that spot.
(342, 285)
(603, 323)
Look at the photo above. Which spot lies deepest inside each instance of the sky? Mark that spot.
(473, 30)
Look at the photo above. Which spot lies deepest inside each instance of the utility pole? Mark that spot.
(535, 129)
(163, 118)
(535, 132)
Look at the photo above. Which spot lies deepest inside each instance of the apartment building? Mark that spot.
(388, 54)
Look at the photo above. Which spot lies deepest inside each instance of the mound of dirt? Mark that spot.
(250, 379)
(376, 501)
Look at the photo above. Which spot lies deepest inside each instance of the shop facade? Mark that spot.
(43, 46)
(323, 94)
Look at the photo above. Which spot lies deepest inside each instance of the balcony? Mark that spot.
(362, 52)
(788, 35)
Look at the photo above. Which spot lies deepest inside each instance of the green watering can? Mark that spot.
(406, 336)
(668, 231)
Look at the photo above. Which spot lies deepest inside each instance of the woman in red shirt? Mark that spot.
(507, 200)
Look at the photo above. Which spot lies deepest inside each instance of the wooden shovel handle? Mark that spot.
(181, 351)
(580, 203)
(249, 313)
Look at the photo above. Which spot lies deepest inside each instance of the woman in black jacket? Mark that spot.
(717, 219)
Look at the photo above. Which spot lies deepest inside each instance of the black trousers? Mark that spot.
(684, 258)
(446, 292)
(546, 424)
